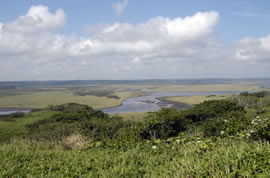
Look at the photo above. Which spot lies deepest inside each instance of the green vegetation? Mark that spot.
(17, 128)
(41, 99)
(216, 138)
(98, 94)
(191, 100)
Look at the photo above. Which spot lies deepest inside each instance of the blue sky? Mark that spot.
(239, 18)
(235, 33)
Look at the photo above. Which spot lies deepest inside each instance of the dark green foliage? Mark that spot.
(70, 107)
(211, 109)
(113, 96)
(163, 124)
(256, 94)
(77, 118)
(230, 124)
(263, 131)
(102, 128)
(253, 100)
(11, 117)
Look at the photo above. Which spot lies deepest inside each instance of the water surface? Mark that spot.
(5, 111)
(152, 103)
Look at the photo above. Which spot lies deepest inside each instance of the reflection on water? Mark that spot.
(151, 103)
(5, 111)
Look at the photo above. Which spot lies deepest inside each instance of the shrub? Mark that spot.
(11, 117)
(100, 128)
(211, 109)
(163, 124)
(230, 124)
(71, 107)
(262, 129)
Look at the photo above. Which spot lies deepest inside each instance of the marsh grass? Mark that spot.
(41, 99)
(191, 100)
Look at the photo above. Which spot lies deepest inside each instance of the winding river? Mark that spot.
(152, 102)
(5, 111)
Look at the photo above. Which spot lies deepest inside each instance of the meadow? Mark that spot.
(100, 96)
(191, 100)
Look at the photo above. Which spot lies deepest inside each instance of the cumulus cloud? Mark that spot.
(119, 7)
(30, 44)
(37, 18)
(161, 47)
(253, 50)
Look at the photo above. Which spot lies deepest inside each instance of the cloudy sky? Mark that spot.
(134, 39)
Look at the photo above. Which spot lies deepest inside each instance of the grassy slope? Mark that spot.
(9, 130)
(196, 157)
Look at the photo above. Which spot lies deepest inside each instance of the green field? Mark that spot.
(191, 100)
(41, 99)
(100, 96)
(17, 128)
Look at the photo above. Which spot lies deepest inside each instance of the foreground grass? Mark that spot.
(17, 128)
(191, 100)
(198, 158)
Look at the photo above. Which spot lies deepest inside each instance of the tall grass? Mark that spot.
(225, 158)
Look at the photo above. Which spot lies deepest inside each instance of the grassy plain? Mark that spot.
(204, 87)
(42, 97)
(191, 100)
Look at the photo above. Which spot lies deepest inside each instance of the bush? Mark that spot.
(11, 117)
(211, 109)
(71, 107)
(101, 128)
(230, 124)
(163, 124)
(262, 129)
(76, 118)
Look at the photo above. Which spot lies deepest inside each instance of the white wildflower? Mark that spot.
(222, 132)
(178, 141)
(154, 147)
(258, 117)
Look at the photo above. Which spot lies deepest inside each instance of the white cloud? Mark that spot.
(37, 18)
(119, 7)
(253, 50)
(158, 48)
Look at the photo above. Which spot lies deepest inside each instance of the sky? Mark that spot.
(134, 39)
